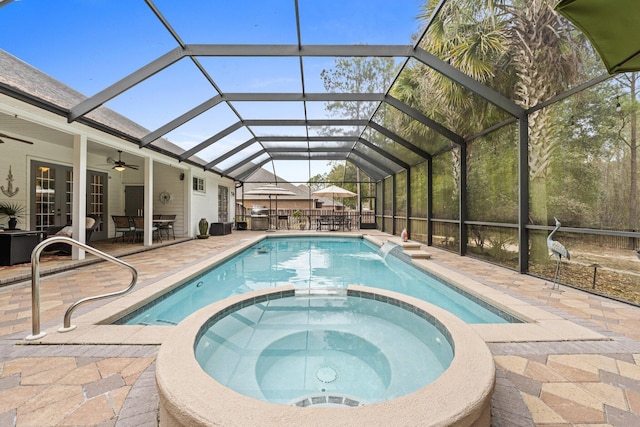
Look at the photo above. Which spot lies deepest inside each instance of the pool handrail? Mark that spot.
(35, 284)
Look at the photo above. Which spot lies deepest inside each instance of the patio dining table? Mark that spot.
(164, 224)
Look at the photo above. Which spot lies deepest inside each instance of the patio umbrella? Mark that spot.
(613, 28)
(270, 190)
(334, 191)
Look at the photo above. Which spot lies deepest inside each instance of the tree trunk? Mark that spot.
(538, 208)
(633, 146)
(540, 148)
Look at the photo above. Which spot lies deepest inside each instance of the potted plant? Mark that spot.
(203, 227)
(299, 219)
(14, 211)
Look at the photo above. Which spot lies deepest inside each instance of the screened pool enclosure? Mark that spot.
(472, 124)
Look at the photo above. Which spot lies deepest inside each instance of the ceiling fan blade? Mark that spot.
(2, 135)
(134, 167)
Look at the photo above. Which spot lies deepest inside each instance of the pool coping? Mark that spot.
(540, 324)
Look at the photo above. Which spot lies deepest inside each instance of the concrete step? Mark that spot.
(417, 254)
(405, 245)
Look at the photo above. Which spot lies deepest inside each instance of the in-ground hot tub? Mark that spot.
(323, 349)
(326, 372)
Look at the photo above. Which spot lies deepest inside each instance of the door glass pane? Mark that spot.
(45, 197)
(96, 197)
(223, 204)
(68, 191)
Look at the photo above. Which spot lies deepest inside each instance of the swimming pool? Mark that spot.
(312, 262)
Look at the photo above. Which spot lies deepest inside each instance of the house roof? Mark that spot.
(22, 80)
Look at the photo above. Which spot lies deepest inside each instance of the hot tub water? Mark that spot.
(328, 350)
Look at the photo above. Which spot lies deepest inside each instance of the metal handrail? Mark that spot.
(35, 284)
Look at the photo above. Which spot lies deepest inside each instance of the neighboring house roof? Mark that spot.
(262, 176)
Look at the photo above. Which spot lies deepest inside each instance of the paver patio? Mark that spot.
(539, 383)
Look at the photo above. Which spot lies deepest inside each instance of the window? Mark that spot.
(198, 184)
(223, 204)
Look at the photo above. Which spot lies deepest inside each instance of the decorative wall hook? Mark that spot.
(9, 192)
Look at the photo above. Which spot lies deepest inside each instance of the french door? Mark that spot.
(52, 196)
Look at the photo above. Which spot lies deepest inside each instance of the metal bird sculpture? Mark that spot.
(559, 251)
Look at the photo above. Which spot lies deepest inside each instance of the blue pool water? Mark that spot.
(323, 351)
(311, 262)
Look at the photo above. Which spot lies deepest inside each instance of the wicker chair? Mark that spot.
(93, 222)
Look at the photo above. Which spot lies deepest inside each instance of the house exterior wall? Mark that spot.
(166, 178)
(53, 143)
(205, 204)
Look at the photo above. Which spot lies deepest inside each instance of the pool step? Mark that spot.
(417, 254)
(412, 249)
(408, 245)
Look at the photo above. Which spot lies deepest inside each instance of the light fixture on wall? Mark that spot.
(618, 106)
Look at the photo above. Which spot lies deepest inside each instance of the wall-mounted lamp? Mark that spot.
(182, 176)
(618, 106)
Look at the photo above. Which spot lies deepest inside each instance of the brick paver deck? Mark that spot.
(548, 383)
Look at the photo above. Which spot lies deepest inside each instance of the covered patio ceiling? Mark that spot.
(232, 88)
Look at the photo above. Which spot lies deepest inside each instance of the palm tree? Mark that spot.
(474, 46)
(545, 58)
(521, 48)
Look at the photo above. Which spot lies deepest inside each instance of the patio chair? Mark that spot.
(123, 225)
(138, 223)
(338, 222)
(346, 222)
(324, 221)
(281, 219)
(92, 223)
(166, 225)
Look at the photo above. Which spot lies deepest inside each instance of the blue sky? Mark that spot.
(91, 44)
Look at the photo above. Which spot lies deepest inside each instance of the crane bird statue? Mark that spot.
(559, 251)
